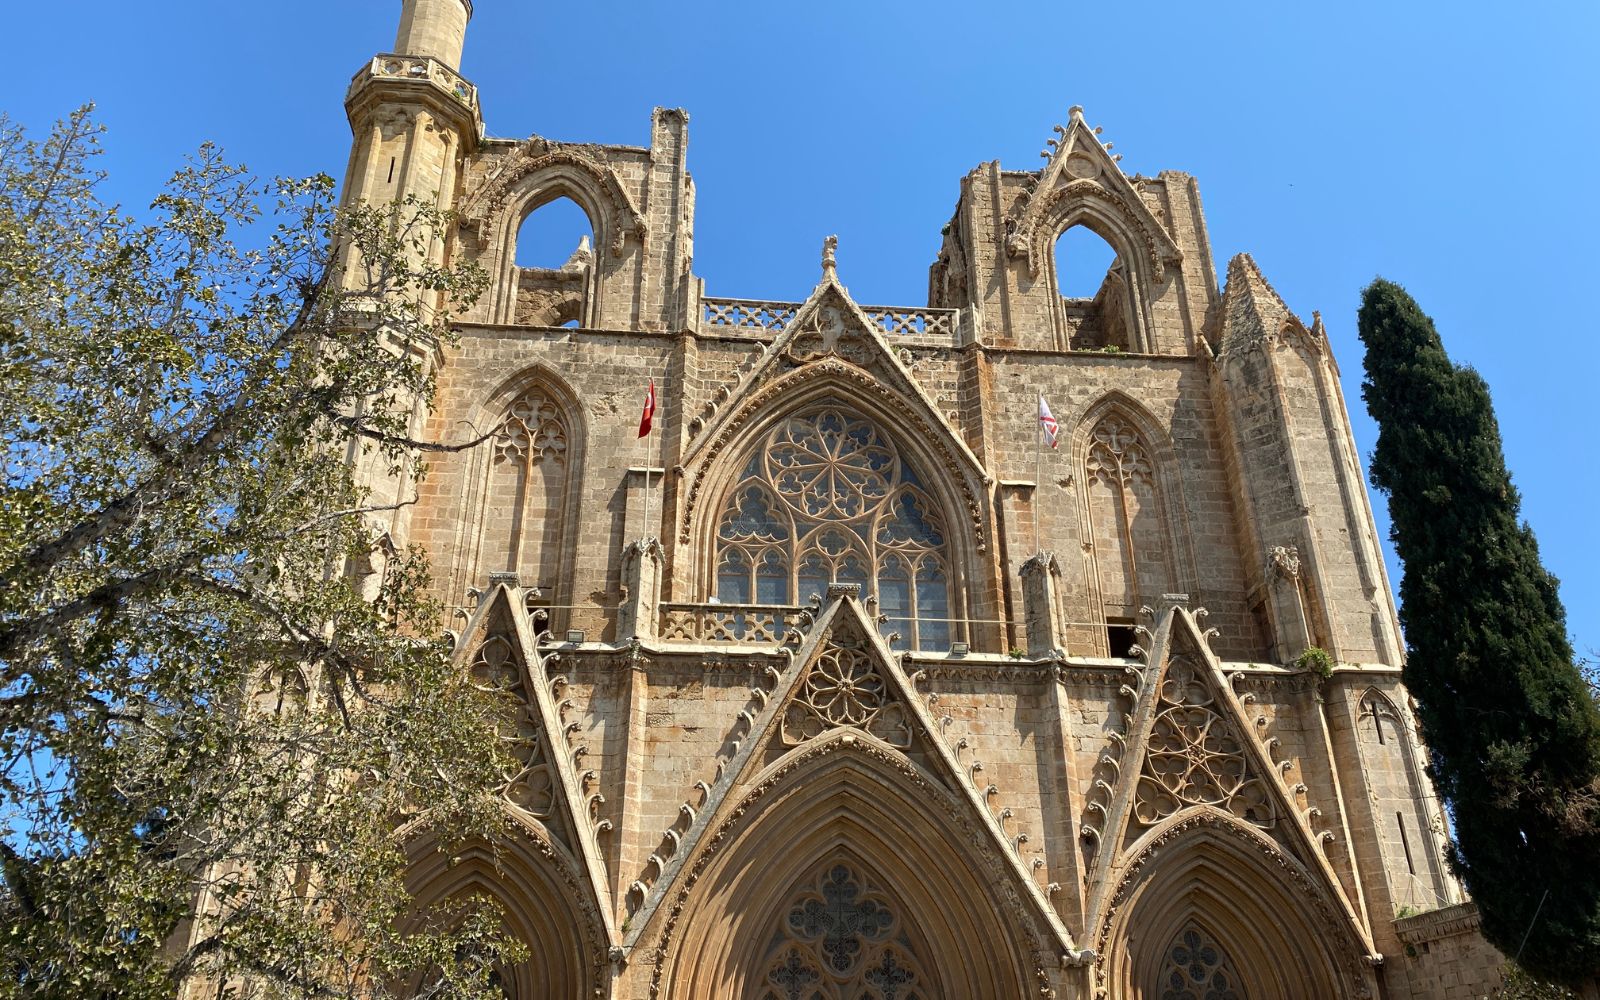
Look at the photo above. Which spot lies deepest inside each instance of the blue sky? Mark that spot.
(1439, 145)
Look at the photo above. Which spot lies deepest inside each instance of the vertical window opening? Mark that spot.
(1405, 843)
(1092, 281)
(551, 235)
(555, 260)
(391, 170)
(1120, 637)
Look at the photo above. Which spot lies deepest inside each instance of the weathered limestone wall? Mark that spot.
(1443, 957)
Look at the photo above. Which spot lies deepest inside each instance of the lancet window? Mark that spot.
(1132, 544)
(525, 499)
(841, 940)
(827, 498)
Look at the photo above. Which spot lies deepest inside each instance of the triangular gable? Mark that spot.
(1082, 168)
(843, 678)
(1190, 748)
(1254, 313)
(499, 653)
(829, 336)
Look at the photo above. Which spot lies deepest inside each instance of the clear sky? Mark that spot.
(1437, 144)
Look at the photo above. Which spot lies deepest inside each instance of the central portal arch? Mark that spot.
(848, 871)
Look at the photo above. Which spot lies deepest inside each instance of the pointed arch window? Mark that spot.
(828, 498)
(525, 497)
(1134, 547)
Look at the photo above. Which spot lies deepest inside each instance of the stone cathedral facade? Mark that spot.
(825, 691)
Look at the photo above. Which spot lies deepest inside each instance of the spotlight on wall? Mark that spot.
(575, 636)
(959, 649)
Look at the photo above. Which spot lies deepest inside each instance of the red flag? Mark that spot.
(649, 409)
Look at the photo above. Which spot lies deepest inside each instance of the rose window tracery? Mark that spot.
(844, 688)
(841, 940)
(827, 498)
(1197, 969)
(1195, 757)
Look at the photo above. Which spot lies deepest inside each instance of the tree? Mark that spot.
(220, 684)
(1511, 725)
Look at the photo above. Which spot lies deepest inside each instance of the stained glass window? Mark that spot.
(827, 498)
(840, 940)
(1197, 969)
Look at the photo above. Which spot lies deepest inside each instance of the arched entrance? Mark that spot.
(532, 883)
(1209, 907)
(848, 871)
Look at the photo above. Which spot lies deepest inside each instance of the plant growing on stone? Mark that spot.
(220, 685)
(1316, 660)
(1512, 727)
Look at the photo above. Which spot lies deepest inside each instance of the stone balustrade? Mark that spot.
(422, 70)
(756, 315)
(762, 624)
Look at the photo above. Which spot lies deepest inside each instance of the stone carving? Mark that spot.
(1197, 967)
(1194, 757)
(529, 783)
(845, 688)
(1117, 456)
(594, 186)
(833, 331)
(533, 432)
(1284, 560)
(840, 940)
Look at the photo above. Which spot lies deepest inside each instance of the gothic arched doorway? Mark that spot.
(848, 872)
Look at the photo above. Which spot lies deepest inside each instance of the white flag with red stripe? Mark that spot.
(649, 409)
(1047, 423)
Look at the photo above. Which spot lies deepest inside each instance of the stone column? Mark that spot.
(1041, 605)
(642, 565)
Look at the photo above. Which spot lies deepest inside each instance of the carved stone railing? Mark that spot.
(764, 624)
(898, 322)
(760, 315)
(747, 314)
(419, 69)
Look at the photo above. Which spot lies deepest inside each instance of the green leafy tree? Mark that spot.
(1510, 722)
(221, 689)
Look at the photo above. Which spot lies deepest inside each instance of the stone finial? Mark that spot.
(1075, 113)
(830, 257)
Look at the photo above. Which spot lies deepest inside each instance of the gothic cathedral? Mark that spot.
(827, 692)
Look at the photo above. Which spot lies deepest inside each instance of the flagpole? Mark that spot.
(649, 496)
(1038, 476)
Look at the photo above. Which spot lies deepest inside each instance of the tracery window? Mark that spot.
(827, 498)
(841, 940)
(1133, 548)
(525, 497)
(1197, 969)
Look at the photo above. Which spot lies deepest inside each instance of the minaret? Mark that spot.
(414, 121)
(414, 117)
(436, 29)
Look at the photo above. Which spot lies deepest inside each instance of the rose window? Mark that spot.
(827, 498)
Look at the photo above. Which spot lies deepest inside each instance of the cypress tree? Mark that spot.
(1512, 727)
